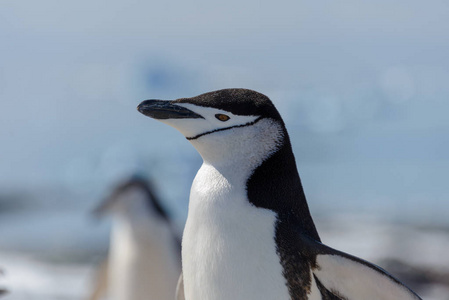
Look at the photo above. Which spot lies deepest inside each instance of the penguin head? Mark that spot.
(130, 199)
(223, 122)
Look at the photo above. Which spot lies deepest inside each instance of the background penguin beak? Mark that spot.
(104, 207)
(159, 109)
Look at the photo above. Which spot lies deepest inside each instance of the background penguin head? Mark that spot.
(222, 123)
(131, 198)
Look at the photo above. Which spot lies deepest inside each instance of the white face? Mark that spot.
(194, 127)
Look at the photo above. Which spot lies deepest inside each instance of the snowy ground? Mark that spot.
(416, 254)
(29, 278)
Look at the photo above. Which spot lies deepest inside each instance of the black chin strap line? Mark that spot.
(222, 129)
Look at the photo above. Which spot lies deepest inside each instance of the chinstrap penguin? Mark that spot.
(249, 233)
(144, 255)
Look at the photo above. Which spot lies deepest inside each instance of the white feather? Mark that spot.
(142, 260)
(228, 248)
(315, 293)
(193, 127)
(354, 280)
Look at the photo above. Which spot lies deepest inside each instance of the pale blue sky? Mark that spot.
(362, 85)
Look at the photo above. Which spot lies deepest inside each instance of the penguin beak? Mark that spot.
(159, 109)
(103, 207)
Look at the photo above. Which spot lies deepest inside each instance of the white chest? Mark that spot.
(142, 266)
(228, 248)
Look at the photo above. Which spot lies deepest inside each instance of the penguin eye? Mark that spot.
(222, 117)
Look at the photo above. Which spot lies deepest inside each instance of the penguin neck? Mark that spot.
(235, 153)
(261, 156)
(142, 227)
(276, 185)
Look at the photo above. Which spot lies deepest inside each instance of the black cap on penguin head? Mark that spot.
(237, 101)
(135, 182)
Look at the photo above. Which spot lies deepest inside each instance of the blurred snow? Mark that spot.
(28, 278)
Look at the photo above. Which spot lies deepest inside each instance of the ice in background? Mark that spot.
(362, 86)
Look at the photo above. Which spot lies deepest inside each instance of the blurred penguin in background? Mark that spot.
(144, 256)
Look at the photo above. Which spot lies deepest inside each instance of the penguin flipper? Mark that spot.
(180, 289)
(348, 277)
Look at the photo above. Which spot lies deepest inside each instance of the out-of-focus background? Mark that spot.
(363, 87)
